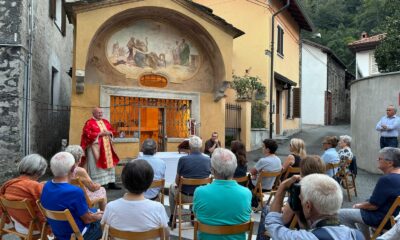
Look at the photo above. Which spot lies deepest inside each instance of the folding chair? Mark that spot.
(223, 230)
(388, 216)
(291, 170)
(26, 206)
(179, 204)
(258, 190)
(332, 166)
(159, 184)
(347, 183)
(91, 203)
(244, 181)
(151, 234)
(62, 216)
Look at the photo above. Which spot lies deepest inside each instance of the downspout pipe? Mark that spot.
(271, 112)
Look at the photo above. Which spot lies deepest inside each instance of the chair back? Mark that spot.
(24, 205)
(226, 229)
(330, 166)
(244, 181)
(388, 217)
(151, 234)
(263, 175)
(159, 184)
(193, 182)
(291, 170)
(62, 216)
(77, 182)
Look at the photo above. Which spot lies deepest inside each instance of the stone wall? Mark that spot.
(369, 98)
(340, 96)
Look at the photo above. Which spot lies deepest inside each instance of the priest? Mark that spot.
(96, 141)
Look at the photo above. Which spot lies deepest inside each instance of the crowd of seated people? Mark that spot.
(223, 202)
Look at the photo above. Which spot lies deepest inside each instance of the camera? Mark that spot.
(294, 197)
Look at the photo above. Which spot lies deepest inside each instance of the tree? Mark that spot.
(387, 54)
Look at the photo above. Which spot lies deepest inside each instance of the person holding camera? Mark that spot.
(318, 197)
(211, 144)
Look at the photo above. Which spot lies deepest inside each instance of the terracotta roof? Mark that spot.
(366, 43)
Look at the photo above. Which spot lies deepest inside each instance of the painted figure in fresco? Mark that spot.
(184, 52)
(175, 54)
(115, 49)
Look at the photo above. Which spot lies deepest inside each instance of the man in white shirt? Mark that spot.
(389, 127)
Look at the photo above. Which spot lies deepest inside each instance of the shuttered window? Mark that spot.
(280, 41)
(52, 9)
(296, 103)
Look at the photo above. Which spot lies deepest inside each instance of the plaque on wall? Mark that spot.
(147, 45)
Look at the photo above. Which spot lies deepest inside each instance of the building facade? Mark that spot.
(35, 57)
(157, 68)
(325, 95)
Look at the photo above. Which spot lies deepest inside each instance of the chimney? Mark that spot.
(364, 35)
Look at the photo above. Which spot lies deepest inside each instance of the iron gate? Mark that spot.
(232, 123)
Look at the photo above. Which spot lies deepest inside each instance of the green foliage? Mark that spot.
(247, 86)
(342, 21)
(387, 54)
(257, 112)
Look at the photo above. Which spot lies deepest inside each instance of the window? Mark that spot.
(289, 100)
(57, 13)
(280, 41)
(373, 66)
(54, 87)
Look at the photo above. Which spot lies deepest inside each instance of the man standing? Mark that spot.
(230, 208)
(96, 141)
(195, 165)
(212, 144)
(389, 127)
(149, 148)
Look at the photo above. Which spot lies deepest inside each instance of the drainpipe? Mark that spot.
(27, 85)
(271, 124)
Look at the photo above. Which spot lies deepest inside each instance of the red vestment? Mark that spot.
(107, 158)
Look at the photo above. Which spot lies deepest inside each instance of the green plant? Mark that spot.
(257, 112)
(247, 86)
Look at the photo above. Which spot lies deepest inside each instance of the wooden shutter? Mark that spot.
(63, 18)
(296, 103)
(52, 9)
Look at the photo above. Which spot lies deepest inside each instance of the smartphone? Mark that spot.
(294, 197)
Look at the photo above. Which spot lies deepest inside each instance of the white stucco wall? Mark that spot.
(313, 84)
(363, 61)
(369, 98)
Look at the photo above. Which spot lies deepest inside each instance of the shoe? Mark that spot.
(113, 186)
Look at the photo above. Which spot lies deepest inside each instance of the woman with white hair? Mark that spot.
(26, 186)
(345, 150)
(93, 190)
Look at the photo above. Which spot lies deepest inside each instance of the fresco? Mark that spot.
(150, 46)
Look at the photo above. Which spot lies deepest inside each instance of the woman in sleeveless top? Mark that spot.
(297, 152)
(239, 150)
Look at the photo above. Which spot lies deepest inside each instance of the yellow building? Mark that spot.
(249, 53)
(158, 68)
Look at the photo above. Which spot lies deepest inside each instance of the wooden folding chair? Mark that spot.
(34, 223)
(244, 181)
(388, 216)
(347, 183)
(332, 166)
(224, 230)
(258, 190)
(91, 203)
(151, 234)
(179, 204)
(159, 184)
(62, 216)
(291, 170)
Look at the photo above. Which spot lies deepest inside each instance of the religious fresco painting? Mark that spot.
(150, 46)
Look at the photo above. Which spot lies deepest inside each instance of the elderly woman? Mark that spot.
(26, 186)
(297, 150)
(345, 150)
(387, 189)
(239, 150)
(133, 212)
(93, 190)
(330, 155)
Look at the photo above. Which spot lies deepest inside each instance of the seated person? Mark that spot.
(372, 212)
(392, 234)
(330, 155)
(93, 190)
(320, 199)
(133, 212)
(149, 149)
(208, 200)
(297, 150)
(59, 195)
(239, 150)
(183, 147)
(212, 144)
(270, 163)
(26, 186)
